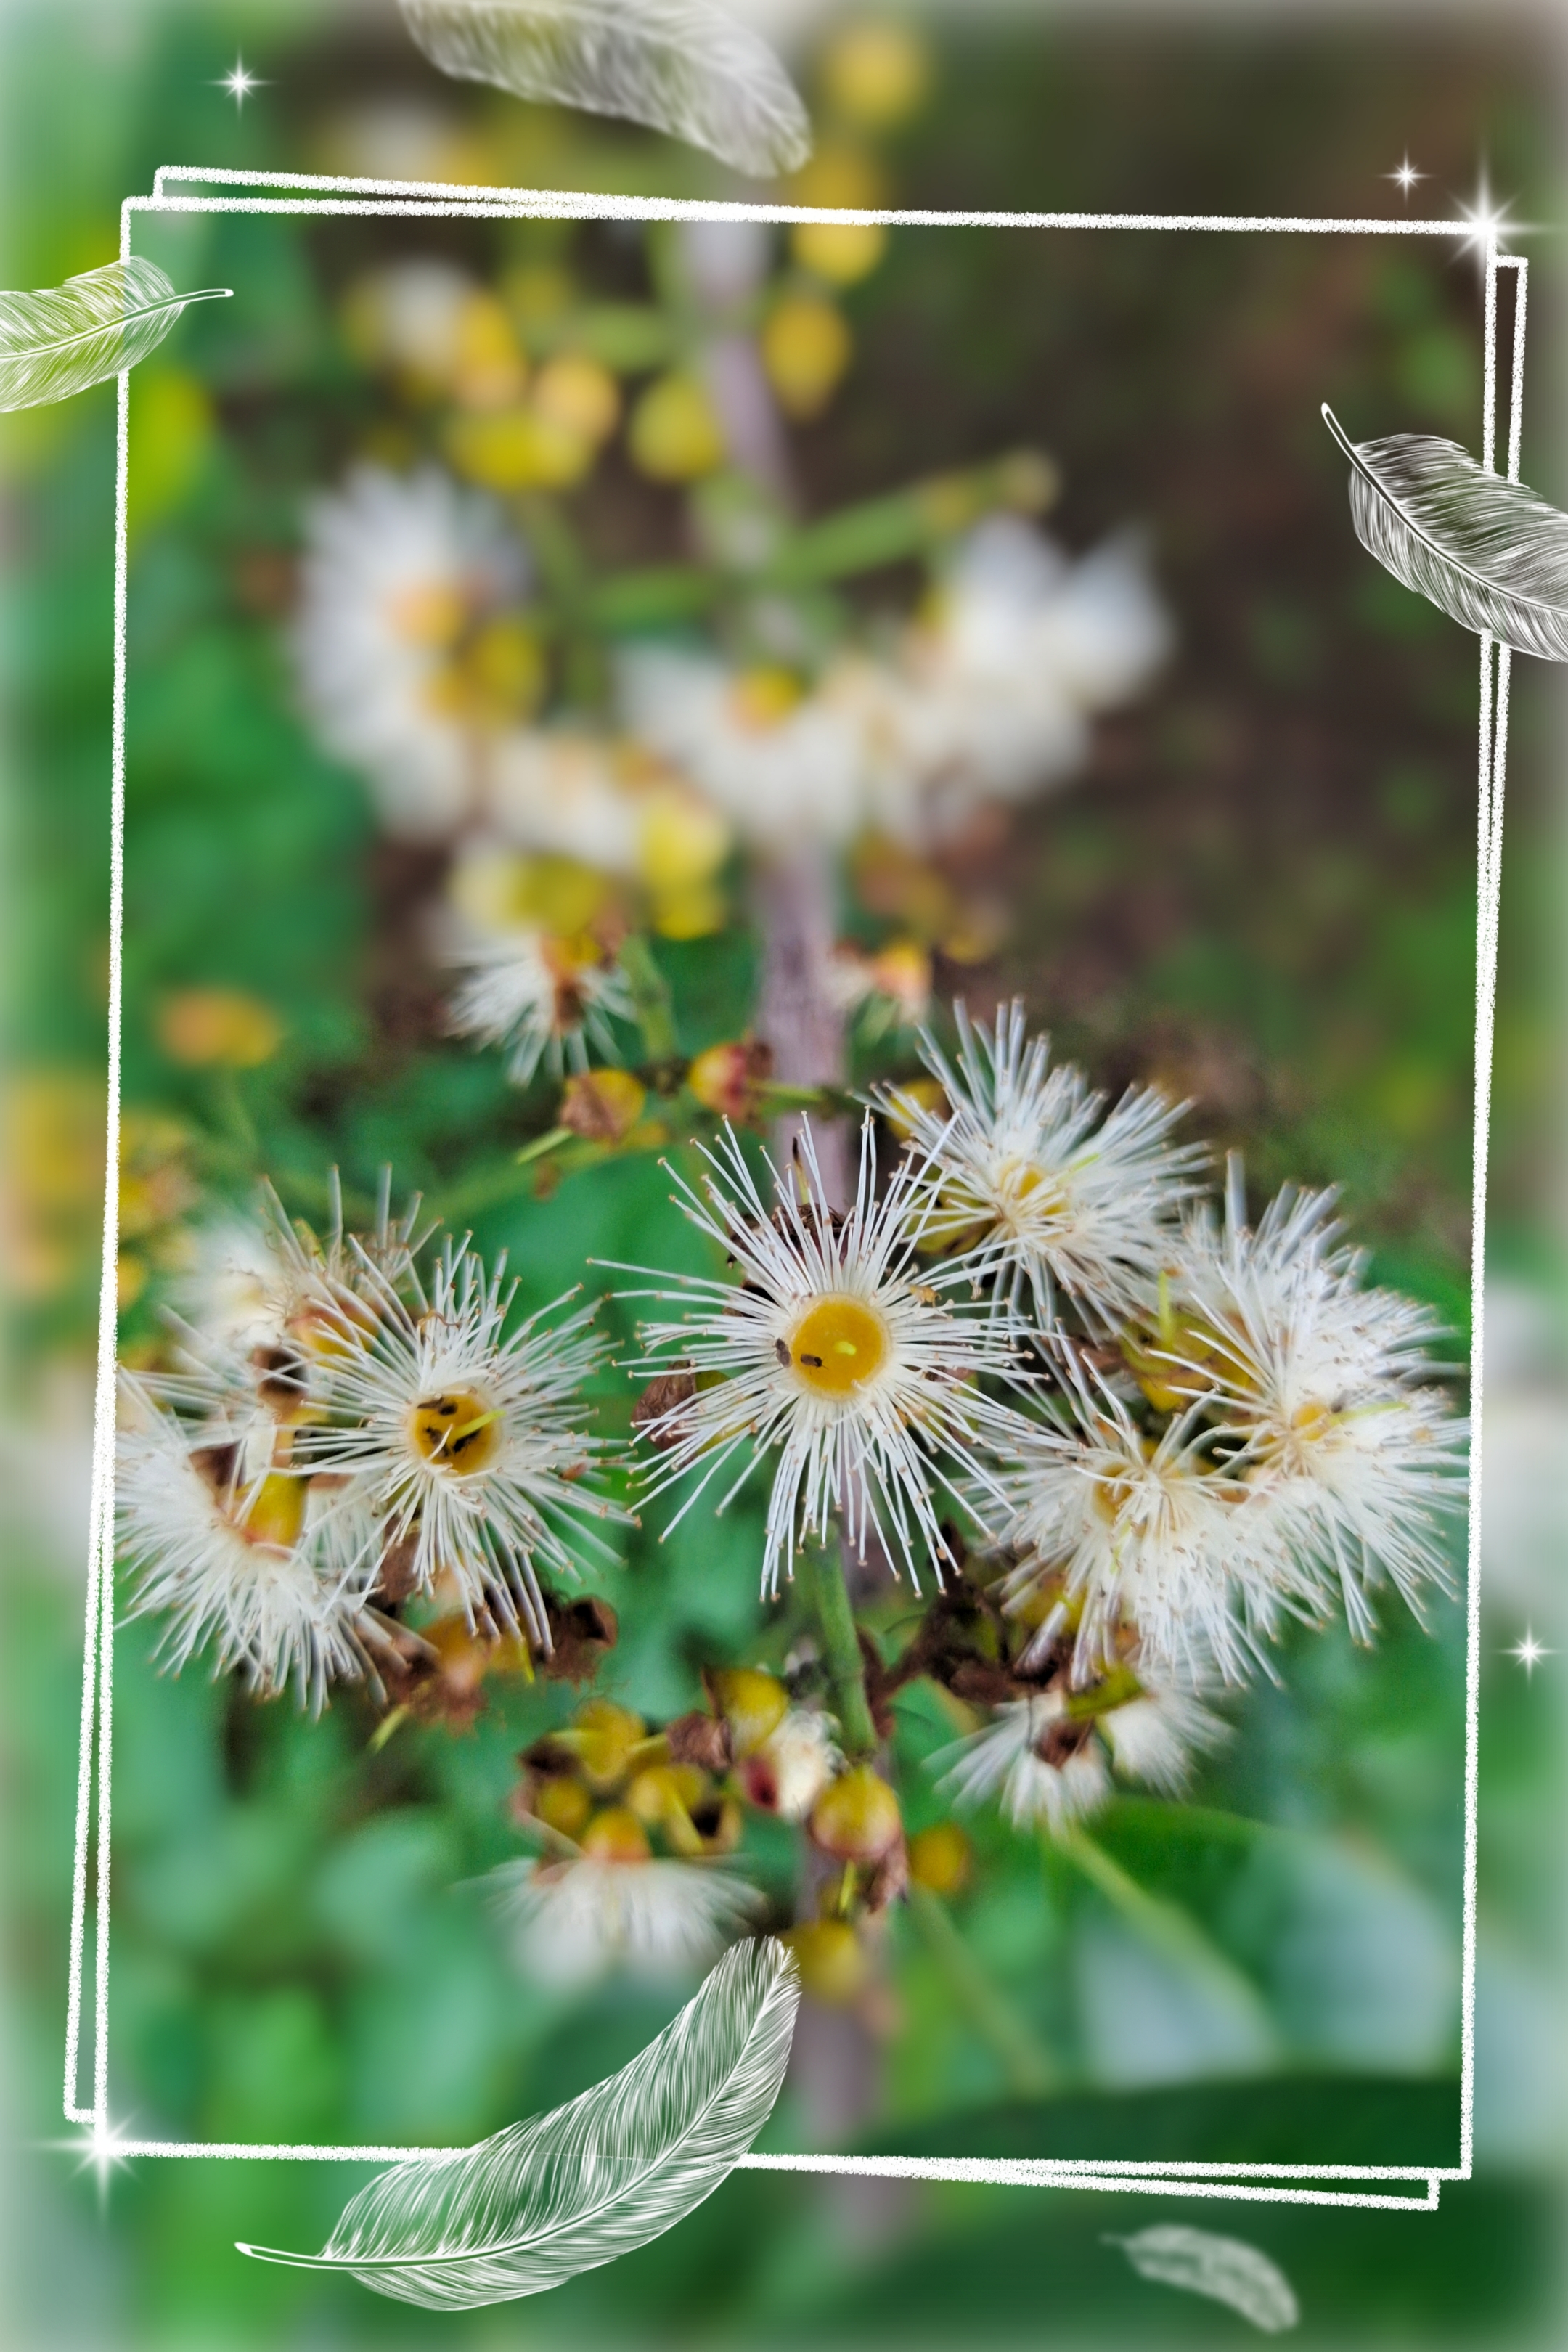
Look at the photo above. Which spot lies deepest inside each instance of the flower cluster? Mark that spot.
(343, 1433)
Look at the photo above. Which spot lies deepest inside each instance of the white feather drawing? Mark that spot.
(1226, 2268)
(680, 65)
(61, 339)
(570, 2190)
(1488, 552)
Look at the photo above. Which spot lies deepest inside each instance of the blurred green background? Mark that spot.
(1262, 895)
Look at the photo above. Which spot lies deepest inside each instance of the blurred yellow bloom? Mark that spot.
(806, 347)
(499, 890)
(222, 1026)
(693, 910)
(857, 1818)
(129, 1280)
(752, 1703)
(764, 698)
(831, 1959)
(920, 1094)
(579, 396)
(489, 370)
(517, 449)
(725, 1078)
(941, 1858)
(433, 613)
(682, 839)
(674, 434)
(499, 679)
(839, 179)
(537, 293)
(155, 1186)
(876, 75)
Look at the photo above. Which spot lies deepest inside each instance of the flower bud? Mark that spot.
(602, 1104)
(616, 1834)
(725, 1078)
(831, 1957)
(602, 1739)
(941, 1858)
(805, 349)
(752, 1703)
(674, 435)
(562, 1803)
(218, 1027)
(789, 1771)
(856, 1819)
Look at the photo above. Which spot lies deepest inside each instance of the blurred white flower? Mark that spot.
(1042, 1765)
(1326, 1385)
(836, 1346)
(400, 573)
(782, 765)
(1036, 1182)
(793, 1766)
(543, 999)
(411, 314)
(561, 791)
(575, 1916)
(266, 1567)
(1021, 1759)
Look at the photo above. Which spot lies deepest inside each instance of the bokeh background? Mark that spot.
(1260, 893)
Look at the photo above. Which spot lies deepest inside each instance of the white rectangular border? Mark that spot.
(411, 199)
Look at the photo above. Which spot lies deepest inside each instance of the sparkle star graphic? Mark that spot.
(1406, 175)
(99, 2149)
(240, 83)
(1529, 1653)
(1485, 221)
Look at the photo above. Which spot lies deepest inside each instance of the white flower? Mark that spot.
(988, 697)
(237, 1288)
(562, 791)
(465, 1441)
(270, 1569)
(794, 1765)
(1155, 1540)
(780, 765)
(1326, 1385)
(398, 573)
(1037, 1183)
(1045, 1766)
(836, 1348)
(576, 1917)
(411, 313)
(1156, 1736)
(264, 1283)
(1005, 1761)
(539, 998)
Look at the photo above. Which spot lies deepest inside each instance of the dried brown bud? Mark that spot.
(581, 1633)
(890, 1879)
(660, 1401)
(699, 1738)
(1063, 1738)
(725, 1078)
(396, 1577)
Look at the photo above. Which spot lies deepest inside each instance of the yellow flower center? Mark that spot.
(277, 1513)
(839, 1345)
(456, 1432)
(1024, 1186)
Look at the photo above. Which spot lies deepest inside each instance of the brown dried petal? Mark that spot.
(663, 1397)
(701, 1739)
(580, 1635)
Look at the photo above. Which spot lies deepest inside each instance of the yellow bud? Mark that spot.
(694, 910)
(682, 840)
(507, 663)
(674, 434)
(202, 1026)
(752, 1703)
(563, 1803)
(805, 349)
(602, 1739)
(602, 1105)
(917, 1095)
(857, 1818)
(517, 449)
(941, 1858)
(762, 698)
(831, 1957)
(488, 369)
(840, 251)
(661, 1790)
(877, 74)
(579, 395)
(275, 1514)
(725, 1079)
(616, 1835)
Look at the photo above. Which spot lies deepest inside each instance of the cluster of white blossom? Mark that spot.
(343, 1426)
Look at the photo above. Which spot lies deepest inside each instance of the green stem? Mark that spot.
(650, 994)
(841, 1649)
(1170, 1930)
(1032, 2073)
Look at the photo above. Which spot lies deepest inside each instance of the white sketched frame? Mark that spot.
(238, 191)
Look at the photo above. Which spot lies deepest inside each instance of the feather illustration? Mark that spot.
(680, 65)
(61, 339)
(1488, 552)
(1228, 2269)
(569, 2190)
